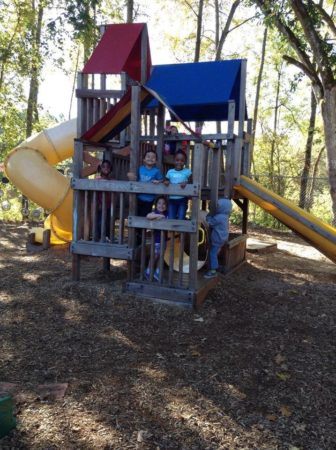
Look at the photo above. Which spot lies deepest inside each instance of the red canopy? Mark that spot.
(119, 50)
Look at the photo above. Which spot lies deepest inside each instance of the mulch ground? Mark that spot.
(254, 369)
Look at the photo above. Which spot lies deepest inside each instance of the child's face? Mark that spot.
(173, 130)
(179, 161)
(161, 205)
(150, 159)
(105, 169)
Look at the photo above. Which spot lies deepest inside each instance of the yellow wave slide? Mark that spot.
(30, 167)
(317, 233)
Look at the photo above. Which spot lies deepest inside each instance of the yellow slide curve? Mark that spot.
(317, 233)
(29, 167)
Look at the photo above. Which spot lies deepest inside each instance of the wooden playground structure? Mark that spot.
(121, 130)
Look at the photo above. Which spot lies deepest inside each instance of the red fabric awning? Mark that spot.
(119, 50)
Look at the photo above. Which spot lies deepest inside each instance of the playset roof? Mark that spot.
(198, 91)
(119, 50)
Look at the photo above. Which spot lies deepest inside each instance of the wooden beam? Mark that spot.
(188, 226)
(99, 93)
(135, 187)
(102, 250)
(242, 98)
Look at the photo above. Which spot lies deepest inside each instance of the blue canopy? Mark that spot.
(198, 91)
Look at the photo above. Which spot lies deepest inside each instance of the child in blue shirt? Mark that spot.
(148, 173)
(181, 175)
(219, 224)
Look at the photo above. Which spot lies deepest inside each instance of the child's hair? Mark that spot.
(181, 152)
(161, 197)
(105, 161)
(150, 150)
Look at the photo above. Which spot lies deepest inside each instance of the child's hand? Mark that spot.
(166, 182)
(131, 176)
(183, 185)
(156, 181)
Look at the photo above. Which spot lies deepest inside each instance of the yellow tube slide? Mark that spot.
(29, 167)
(317, 233)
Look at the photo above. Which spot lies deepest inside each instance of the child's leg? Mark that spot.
(172, 209)
(182, 208)
(213, 257)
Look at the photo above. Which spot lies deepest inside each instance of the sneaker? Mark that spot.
(147, 274)
(210, 274)
(157, 275)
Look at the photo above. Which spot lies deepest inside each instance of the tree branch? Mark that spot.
(288, 33)
(311, 75)
(315, 42)
(325, 16)
(225, 31)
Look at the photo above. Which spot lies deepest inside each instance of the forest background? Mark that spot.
(291, 92)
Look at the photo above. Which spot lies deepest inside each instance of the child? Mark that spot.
(170, 146)
(177, 206)
(148, 173)
(219, 224)
(104, 171)
(160, 212)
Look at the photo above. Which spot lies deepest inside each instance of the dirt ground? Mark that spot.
(254, 369)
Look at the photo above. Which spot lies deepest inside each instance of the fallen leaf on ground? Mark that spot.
(271, 417)
(283, 376)
(285, 411)
(279, 359)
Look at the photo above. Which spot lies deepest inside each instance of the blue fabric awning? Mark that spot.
(198, 91)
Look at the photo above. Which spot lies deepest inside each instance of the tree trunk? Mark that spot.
(275, 128)
(257, 96)
(199, 31)
(32, 113)
(308, 153)
(310, 196)
(130, 8)
(226, 30)
(329, 123)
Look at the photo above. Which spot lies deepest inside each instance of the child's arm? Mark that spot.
(189, 180)
(131, 176)
(154, 216)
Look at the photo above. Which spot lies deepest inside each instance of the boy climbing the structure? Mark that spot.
(219, 224)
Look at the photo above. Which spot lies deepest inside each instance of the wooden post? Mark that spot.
(197, 177)
(122, 137)
(229, 150)
(144, 51)
(160, 134)
(246, 156)
(77, 217)
(245, 215)
(242, 99)
(214, 180)
(134, 164)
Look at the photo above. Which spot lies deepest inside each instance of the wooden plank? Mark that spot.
(94, 215)
(160, 138)
(181, 252)
(188, 226)
(171, 258)
(173, 296)
(246, 155)
(143, 254)
(236, 163)
(99, 93)
(242, 98)
(231, 118)
(102, 250)
(162, 251)
(152, 257)
(103, 218)
(135, 187)
(86, 215)
(197, 175)
(144, 51)
(189, 137)
(121, 218)
(214, 179)
(113, 216)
